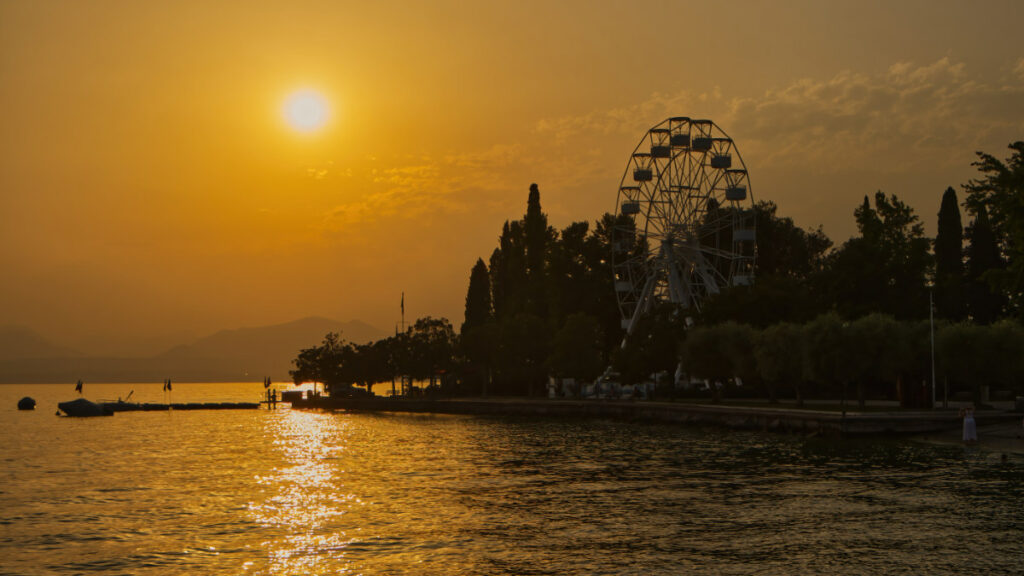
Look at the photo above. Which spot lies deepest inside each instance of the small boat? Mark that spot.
(83, 407)
(27, 403)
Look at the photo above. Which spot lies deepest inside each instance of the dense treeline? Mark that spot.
(873, 357)
(542, 306)
(820, 319)
(426, 352)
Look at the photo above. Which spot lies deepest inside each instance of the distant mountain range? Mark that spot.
(20, 343)
(227, 356)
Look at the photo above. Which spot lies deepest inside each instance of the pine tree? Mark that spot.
(949, 261)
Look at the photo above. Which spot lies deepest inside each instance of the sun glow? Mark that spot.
(306, 111)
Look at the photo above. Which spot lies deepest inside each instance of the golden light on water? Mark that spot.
(306, 110)
(304, 495)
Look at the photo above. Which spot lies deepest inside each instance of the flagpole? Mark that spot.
(403, 332)
(931, 321)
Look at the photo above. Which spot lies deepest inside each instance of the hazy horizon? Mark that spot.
(351, 330)
(152, 190)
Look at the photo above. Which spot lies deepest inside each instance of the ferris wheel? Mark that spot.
(684, 227)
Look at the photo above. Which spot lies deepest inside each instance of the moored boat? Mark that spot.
(83, 407)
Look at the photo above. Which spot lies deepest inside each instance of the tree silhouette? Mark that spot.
(789, 267)
(779, 352)
(537, 238)
(717, 353)
(432, 345)
(477, 334)
(783, 248)
(478, 297)
(885, 268)
(827, 355)
(1000, 191)
(321, 363)
(578, 349)
(653, 346)
(985, 303)
(949, 259)
(568, 272)
(873, 353)
(522, 354)
(508, 272)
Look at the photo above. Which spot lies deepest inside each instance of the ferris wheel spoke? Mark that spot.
(721, 253)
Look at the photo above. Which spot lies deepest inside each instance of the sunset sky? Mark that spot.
(153, 190)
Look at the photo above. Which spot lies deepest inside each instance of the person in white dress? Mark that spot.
(970, 428)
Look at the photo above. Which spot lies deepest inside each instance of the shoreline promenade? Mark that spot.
(769, 417)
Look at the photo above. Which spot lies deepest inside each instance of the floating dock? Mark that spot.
(147, 407)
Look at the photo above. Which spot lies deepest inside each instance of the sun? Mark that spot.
(306, 110)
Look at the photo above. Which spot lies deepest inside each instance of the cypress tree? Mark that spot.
(984, 304)
(536, 225)
(498, 282)
(478, 297)
(949, 260)
(535, 228)
(508, 272)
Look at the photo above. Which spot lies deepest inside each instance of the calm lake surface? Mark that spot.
(292, 492)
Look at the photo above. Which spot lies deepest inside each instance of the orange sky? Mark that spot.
(150, 189)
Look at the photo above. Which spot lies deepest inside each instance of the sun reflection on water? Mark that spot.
(304, 495)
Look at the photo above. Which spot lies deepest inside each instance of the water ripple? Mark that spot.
(289, 492)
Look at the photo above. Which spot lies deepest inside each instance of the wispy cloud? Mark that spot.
(320, 172)
(408, 176)
(631, 120)
(907, 117)
(429, 186)
(908, 113)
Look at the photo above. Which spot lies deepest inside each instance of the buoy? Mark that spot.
(26, 403)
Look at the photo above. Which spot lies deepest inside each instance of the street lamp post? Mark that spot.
(931, 320)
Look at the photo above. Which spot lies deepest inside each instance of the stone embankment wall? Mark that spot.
(758, 418)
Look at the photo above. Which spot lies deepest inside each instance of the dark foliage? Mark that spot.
(885, 269)
(985, 302)
(1000, 192)
(949, 260)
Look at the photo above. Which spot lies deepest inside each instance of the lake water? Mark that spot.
(293, 492)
